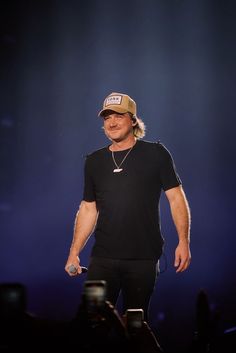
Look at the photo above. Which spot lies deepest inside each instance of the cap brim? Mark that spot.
(113, 108)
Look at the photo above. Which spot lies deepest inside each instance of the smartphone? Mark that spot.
(134, 318)
(94, 293)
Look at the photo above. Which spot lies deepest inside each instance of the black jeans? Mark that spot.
(135, 279)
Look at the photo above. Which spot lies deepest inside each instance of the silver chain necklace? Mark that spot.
(118, 168)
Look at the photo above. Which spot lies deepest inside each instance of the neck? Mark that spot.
(123, 145)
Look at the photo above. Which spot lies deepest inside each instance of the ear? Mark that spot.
(134, 121)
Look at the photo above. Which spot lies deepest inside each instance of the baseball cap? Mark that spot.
(119, 103)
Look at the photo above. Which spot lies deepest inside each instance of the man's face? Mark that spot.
(118, 126)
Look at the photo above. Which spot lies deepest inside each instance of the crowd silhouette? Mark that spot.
(98, 327)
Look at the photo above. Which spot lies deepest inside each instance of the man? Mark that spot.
(122, 188)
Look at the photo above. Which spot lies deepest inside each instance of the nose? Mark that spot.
(112, 121)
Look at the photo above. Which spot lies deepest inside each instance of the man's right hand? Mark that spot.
(73, 267)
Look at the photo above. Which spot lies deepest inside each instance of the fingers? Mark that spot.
(73, 270)
(73, 266)
(182, 264)
(182, 257)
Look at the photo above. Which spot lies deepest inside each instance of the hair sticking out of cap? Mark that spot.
(139, 128)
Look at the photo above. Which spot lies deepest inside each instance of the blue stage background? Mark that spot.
(59, 59)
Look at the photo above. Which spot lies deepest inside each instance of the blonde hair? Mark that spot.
(139, 128)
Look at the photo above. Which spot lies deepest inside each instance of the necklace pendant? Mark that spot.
(117, 170)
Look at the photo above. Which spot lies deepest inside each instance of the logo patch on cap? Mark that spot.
(113, 100)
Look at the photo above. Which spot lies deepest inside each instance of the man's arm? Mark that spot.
(181, 216)
(85, 222)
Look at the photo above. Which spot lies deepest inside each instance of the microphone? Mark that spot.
(73, 269)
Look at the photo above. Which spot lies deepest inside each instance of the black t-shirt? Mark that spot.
(128, 225)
